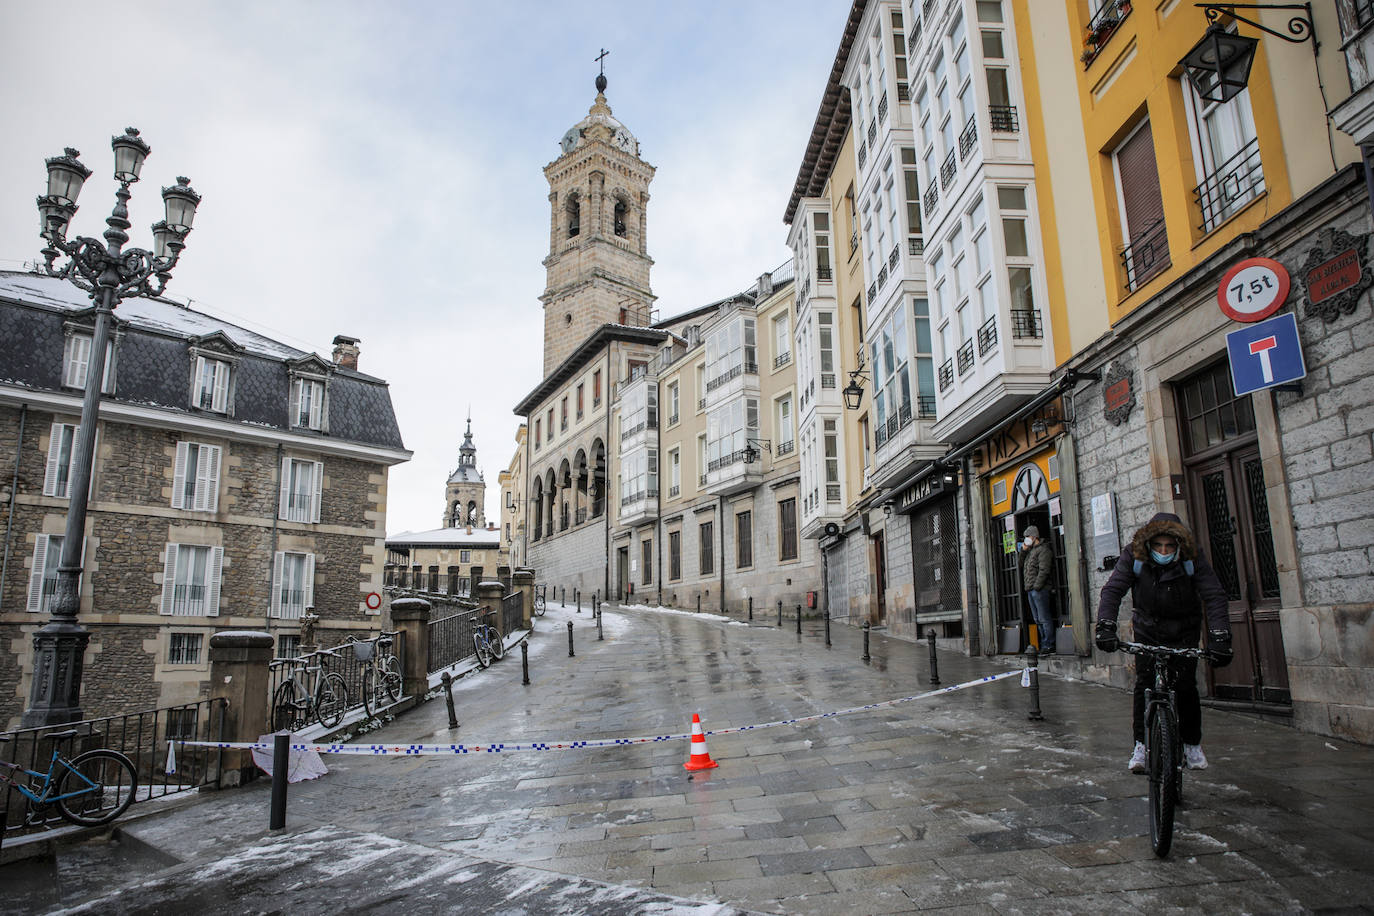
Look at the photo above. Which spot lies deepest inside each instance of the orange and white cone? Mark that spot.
(700, 758)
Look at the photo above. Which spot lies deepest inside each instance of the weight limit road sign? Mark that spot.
(1265, 354)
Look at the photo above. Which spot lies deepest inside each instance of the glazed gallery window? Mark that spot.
(191, 580)
(210, 389)
(638, 409)
(195, 478)
(728, 430)
(293, 584)
(76, 359)
(301, 486)
(891, 382)
(731, 350)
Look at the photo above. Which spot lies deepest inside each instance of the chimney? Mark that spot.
(346, 352)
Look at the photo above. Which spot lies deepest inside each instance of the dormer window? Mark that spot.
(76, 360)
(307, 403)
(211, 384)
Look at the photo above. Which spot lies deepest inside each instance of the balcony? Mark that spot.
(1146, 256)
(823, 272)
(925, 406)
(946, 375)
(672, 421)
(887, 430)
(932, 198)
(853, 242)
(701, 481)
(832, 492)
(882, 276)
(969, 138)
(1026, 325)
(987, 336)
(1002, 119)
(948, 171)
(966, 356)
(1102, 27)
(916, 246)
(674, 491)
(1236, 181)
(872, 292)
(730, 375)
(827, 380)
(701, 404)
(786, 448)
(782, 359)
(732, 474)
(638, 506)
(633, 431)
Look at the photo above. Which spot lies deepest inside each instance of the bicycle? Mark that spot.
(539, 607)
(88, 790)
(381, 672)
(1163, 745)
(295, 703)
(486, 639)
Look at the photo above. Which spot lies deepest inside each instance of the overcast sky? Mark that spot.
(376, 170)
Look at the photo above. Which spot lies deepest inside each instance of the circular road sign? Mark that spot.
(374, 601)
(1253, 289)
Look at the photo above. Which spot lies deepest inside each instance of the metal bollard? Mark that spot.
(525, 661)
(564, 591)
(601, 636)
(934, 664)
(577, 596)
(448, 699)
(780, 614)
(281, 750)
(751, 607)
(1033, 668)
(866, 656)
(827, 626)
(570, 642)
(698, 604)
(799, 620)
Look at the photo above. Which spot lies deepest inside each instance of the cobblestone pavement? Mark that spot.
(953, 804)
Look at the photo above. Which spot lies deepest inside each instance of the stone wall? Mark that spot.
(570, 559)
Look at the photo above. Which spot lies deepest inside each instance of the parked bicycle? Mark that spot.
(90, 789)
(310, 692)
(381, 671)
(1163, 744)
(539, 600)
(486, 639)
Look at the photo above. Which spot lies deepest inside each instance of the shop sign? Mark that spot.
(1336, 274)
(1009, 542)
(1118, 393)
(1253, 289)
(930, 485)
(1021, 437)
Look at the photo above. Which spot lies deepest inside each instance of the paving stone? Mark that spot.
(814, 860)
(693, 872)
(749, 890)
(740, 849)
(763, 830)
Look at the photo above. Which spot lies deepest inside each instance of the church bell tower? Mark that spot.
(598, 262)
(465, 493)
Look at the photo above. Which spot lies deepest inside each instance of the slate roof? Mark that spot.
(153, 361)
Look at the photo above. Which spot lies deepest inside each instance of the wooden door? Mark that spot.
(880, 569)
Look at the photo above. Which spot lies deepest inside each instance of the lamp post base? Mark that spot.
(58, 652)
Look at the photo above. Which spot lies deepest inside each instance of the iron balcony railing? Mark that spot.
(1101, 28)
(926, 8)
(1146, 255)
(633, 430)
(1235, 181)
(894, 257)
(701, 481)
(827, 380)
(581, 514)
(903, 92)
(785, 448)
(931, 199)
(987, 336)
(969, 138)
(672, 421)
(853, 241)
(1002, 119)
(882, 108)
(782, 359)
(630, 499)
(832, 492)
(674, 491)
(948, 171)
(916, 246)
(733, 372)
(965, 356)
(873, 132)
(946, 375)
(823, 272)
(882, 276)
(701, 404)
(925, 406)
(1025, 324)
(872, 291)
(863, 154)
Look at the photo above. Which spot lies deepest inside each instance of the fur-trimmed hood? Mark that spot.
(1164, 523)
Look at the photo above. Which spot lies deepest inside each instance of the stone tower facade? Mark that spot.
(465, 493)
(598, 262)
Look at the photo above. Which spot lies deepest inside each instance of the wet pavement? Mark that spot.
(953, 804)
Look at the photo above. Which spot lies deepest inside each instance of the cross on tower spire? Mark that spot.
(601, 77)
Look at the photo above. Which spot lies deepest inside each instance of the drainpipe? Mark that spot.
(720, 513)
(275, 516)
(606, 485)
(658, 448)
(974, 619)
(14, 492)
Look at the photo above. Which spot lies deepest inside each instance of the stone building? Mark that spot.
(465, 494)
(237, 481)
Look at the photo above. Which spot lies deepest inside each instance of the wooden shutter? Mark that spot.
(54, 451)
(296, 387)
(40, 559)
(197, 381)
(279, 560)
(210, 455)
(284, 508)
(318, 481)
(212, 587)
(221, 395)
(78, 360)
(169, 577)
(308, 586)
(179, 476)
(1139, 174)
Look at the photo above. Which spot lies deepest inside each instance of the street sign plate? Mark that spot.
(1265, 354)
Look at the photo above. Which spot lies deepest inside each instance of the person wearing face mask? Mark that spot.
(1172, 588)
(1035, 575)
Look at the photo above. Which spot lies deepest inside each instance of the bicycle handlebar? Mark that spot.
(1139, 648)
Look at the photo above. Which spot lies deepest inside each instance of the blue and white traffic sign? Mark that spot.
(1265, 354)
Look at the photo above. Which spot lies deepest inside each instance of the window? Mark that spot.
(538, 430)
(76, 359)
(639, 476)
(674, 399)
(731, 350)
(701, 387)
(785, 433)
(61, 460)
(563, 415)
(191, 579)
(550, 424)
(787, 529)
(832, 462)
(674, 472)
(288, 646)
(782, 341)
(596, 388)
(925, 359)
(702, 452)
(705, 549)
(825, 330)
(579, 402)
(465, 556)
(1142, 207)
(638, 409)
(891, 384)
(184, 648)
(744, 539)
(211, 385)
(1226, 156)
(195, 479)
(674, 555)
(307, 403)
(301, 483)
(821, 221)
(646, 549)
(728, 430)
(293, 584)
(911, 188)
(47, 554)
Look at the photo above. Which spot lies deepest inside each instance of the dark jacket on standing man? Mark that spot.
(1038, 568)
(1169, 600)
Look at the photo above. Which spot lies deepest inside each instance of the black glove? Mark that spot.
(1219, 648)
(1106, 636)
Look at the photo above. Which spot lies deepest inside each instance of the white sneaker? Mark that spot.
(1192, 753)
(1137, 762)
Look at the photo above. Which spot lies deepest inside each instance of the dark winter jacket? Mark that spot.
(1169, 603)
(1039, 567)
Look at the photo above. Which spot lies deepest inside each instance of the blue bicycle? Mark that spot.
(90, 789)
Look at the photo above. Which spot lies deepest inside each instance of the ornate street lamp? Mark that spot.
(109, 273)
(854, 392)
(751, 454)
(1219, 65)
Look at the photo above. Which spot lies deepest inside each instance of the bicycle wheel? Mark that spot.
(106, 782)
(391, 677)
(498, 648)
(331, 700)
(1161, 749)
(483, 649)
(539, 605)
(373, 697)
(285, 707)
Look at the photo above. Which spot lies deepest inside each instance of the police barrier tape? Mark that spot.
(501, 748)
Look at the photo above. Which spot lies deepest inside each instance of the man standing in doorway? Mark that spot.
(1035, 575)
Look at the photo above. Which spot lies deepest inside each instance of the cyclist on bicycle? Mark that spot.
(1171, 585)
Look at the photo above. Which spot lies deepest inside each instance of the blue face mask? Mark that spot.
(1163, 559)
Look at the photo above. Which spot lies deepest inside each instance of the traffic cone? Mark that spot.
(700, 759)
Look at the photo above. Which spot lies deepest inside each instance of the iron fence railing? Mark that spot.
(1002, 119)
(1235, 181)
(512, 612)
(947, 171)
(987, 336)
(969, 138)
(946, 374)
(143, 737)
(882, 108)
(1146, 255)
(1025, 323)
(932, 198)
(925, 406)
(450, 640)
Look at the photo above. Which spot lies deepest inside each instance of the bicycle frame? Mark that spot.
(45, 797)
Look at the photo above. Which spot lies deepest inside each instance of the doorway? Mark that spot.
(880, 569)
(622, 563)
